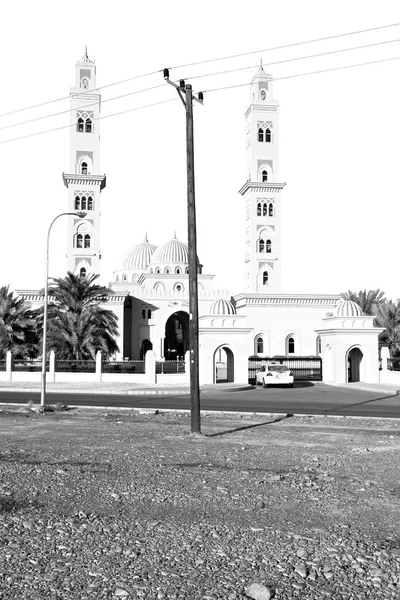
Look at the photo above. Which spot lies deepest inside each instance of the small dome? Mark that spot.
(347, 308)
(139, 257)
(222, 307)
(173, 251)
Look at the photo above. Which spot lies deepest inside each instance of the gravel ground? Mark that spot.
(122, 505)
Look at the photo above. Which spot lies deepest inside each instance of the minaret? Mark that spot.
(262, 191)
(84, 181)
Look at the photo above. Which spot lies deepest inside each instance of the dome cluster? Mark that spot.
(222, 307)
(171, 258)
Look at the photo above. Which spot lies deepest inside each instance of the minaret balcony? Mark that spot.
(79, 179)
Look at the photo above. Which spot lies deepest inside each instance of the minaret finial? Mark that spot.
(145, 237)
(261, 69)
(86, 56)
(174, 235)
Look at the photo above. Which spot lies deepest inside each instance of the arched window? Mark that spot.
(157, 270)
(271, 210)
(79, 126)
(261, 135)
(88, 126)
(84, 168)
(268, 246)
(124, 277)
(135, 277)
(178, 287)
(167, 270)
(290, 345)
(319, 345)
(149, 314)
(143, 313)
(259, 209)
(178, 270)
(90, 203)
(79, 240)
(264, 176)
(187, 270)
(77, 203)
(85, 83)
(83, 203)
(263, 95)
(116, 278)
(265, 278)
(82, 272)
(261, 246)
(267, 135)
(87, 240)
(259, 345)
(265, 207)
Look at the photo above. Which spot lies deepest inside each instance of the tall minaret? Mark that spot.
(261, 192)
(84, 181)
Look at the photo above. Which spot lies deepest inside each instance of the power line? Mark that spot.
(63, 112)
(292, 45)
(373, 62)
(323, 39)
(23, 137)
(102, 87)
(287, 60)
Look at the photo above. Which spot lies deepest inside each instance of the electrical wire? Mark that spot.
(63, 112)
(287, 60)
(102, 87)
(373, 62)
(23, 137)
(322, 39)
(292, 45)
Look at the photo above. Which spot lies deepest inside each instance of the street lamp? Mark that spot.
(81, 215)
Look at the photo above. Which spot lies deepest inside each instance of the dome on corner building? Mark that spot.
(139, 257)
(222, 307)
(347, 308)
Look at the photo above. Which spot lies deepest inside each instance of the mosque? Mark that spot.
(151, 285)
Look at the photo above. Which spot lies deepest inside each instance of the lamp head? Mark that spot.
(81, 214)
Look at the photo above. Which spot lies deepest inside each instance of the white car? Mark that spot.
(274, 374)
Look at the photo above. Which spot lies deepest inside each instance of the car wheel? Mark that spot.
(265, 385)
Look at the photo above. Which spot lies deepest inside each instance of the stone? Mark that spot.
(121, 593)
(256, 591)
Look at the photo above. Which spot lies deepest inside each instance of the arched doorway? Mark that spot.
(223, 365)
(354, 365)
(176, 341)
(146, 345)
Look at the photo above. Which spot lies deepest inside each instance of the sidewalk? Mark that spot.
(381, 388)
(119, 388)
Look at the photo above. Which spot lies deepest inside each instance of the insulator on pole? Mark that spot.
(166, 73)
(182, 84)
(201, 96)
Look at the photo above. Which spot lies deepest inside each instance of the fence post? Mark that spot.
(150, 367)
(9, 365)
(99, 366)
(52, 367)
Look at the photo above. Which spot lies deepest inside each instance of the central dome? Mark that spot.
(173, 251)
(139, 257)
(347, 308)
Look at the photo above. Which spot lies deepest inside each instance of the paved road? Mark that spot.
(302, 399)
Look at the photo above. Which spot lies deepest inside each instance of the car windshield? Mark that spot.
(278, 368)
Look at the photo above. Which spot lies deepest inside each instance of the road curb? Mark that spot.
(142, 392)
(376, 389)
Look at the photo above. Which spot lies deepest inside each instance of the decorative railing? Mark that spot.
(126, 366)
(75, 366)
(29, 366)
(166, 367)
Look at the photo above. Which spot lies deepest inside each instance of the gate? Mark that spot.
(303, 368)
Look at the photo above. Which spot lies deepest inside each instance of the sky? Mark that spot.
(339, 134)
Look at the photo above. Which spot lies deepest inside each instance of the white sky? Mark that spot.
(339, 135)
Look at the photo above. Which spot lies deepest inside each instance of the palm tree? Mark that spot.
(17, 326)
(387, 315)
(78, 326)
(365, 300)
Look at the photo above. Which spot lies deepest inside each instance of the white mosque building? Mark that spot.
(151, 285)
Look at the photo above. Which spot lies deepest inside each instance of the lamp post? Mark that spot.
(81, 215)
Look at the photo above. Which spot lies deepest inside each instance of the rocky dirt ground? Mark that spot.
(127, 505)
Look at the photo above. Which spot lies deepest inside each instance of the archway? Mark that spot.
(146, 345)
(223, 365)
(176, 341)
(354, 365)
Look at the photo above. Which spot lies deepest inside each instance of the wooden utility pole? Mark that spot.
(192, 244)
